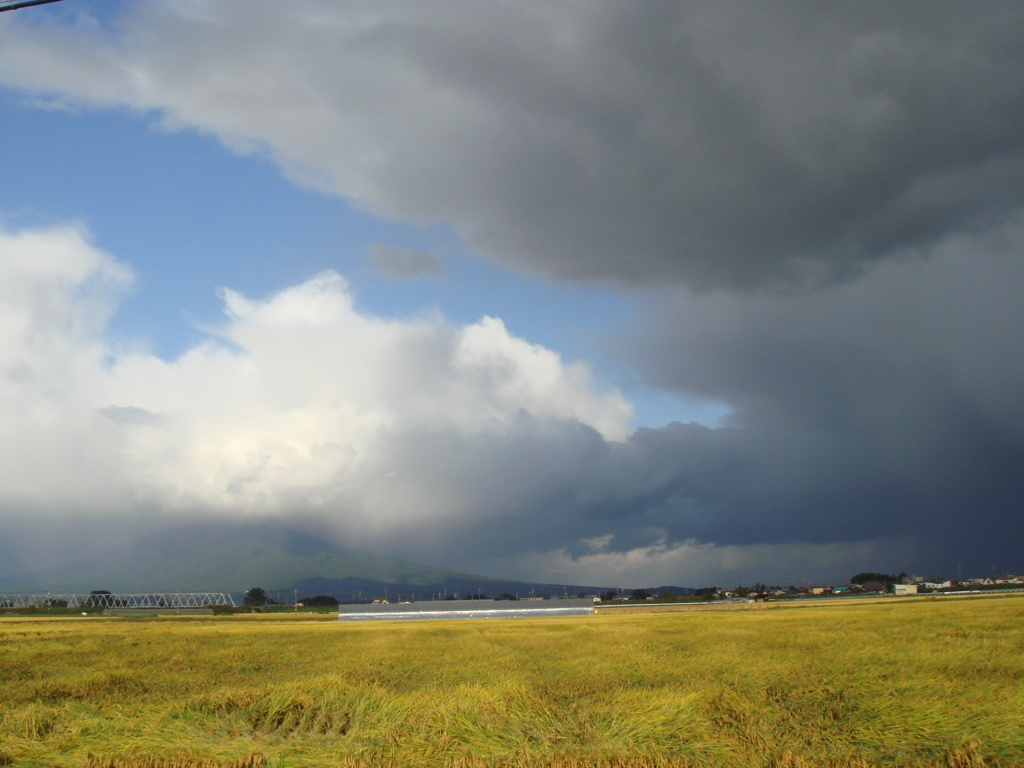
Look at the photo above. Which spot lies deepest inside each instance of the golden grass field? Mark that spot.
(917, 683)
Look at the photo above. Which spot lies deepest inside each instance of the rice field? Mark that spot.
(917, 683)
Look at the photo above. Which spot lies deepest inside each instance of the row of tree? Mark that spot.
(884, 578)
(257, 596)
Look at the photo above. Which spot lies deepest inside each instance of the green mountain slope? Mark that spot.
(229, 558)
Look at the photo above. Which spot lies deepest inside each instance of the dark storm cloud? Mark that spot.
(887, 409)
(718, 144)
(870, 408)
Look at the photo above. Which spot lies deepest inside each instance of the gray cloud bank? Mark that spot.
(823, 202)
(887, 405)
(719, 144)
(404, 263)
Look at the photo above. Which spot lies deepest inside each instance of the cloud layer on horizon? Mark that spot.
(467, 446)
(462, 445)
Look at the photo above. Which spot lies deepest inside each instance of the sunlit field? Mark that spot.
(917, 683)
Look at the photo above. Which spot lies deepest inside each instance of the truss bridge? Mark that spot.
(120, 600)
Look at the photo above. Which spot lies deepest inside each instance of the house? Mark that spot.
(904, 589)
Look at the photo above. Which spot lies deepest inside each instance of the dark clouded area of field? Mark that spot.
(820, 206)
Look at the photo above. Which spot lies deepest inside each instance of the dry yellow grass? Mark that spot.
(923, 683)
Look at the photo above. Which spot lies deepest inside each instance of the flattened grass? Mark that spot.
(925, 683)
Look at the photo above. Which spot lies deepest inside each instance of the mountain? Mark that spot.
(235, 557)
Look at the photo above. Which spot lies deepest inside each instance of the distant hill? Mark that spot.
(234, 557)
(677, 591)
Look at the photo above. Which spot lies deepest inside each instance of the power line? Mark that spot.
(13, 5)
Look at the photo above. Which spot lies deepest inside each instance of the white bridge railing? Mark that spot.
(120, 600)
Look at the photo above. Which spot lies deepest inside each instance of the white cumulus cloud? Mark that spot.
(296, 402)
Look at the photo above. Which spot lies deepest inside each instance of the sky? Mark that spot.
(584, 292)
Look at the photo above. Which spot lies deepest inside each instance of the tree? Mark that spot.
(319, 601)
(884, 578)
(640, 594)
(256, 596)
